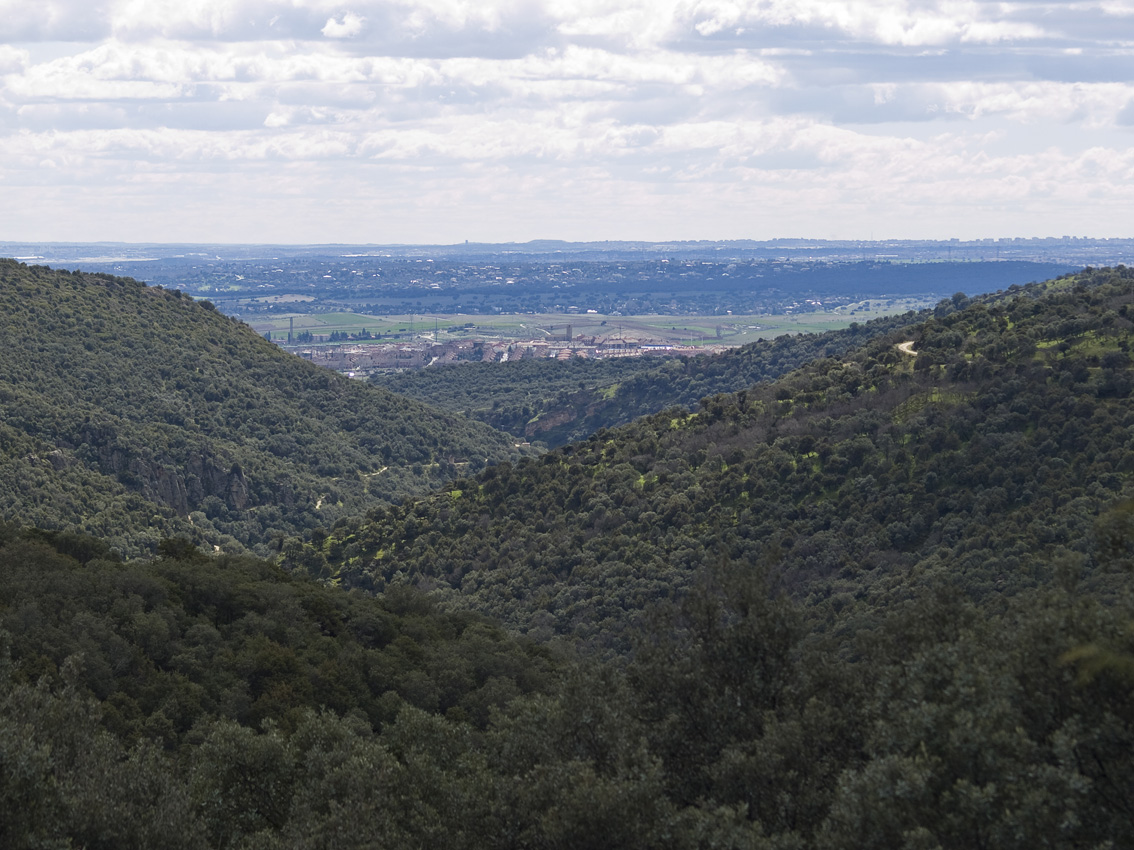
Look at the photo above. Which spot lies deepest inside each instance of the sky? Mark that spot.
(437, 121)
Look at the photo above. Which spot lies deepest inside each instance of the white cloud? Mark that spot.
(599, 113)
(13, 60)
(1089, 104)
(903, 23)
(52, 20)
(348, 27)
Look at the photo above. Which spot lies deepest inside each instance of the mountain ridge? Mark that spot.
(191, 423)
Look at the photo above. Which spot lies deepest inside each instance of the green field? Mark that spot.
(681, 330)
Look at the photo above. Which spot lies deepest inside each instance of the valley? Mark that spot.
(862, 587)
(360, 345)
(541, 425)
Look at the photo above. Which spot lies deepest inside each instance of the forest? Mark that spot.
(877, 598)
(557, 403)
(133, 413)
(991, 448)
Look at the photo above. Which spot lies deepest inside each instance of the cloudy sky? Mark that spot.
(436, 121)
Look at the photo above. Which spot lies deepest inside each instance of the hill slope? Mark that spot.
(133, 413)
(956, 670)
(978, 458)
(557, 403)
(133, 697)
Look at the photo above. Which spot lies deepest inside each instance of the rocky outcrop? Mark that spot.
(181, 484)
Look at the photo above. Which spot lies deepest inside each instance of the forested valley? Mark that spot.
(134, 413)
(880, 601)
(557, 403)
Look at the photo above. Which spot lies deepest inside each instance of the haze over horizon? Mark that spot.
(437, 121)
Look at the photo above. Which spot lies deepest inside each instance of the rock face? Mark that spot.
(555, 419)
(181, 486)
(566, 423)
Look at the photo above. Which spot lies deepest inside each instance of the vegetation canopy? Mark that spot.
(880, 602)
(132, 413)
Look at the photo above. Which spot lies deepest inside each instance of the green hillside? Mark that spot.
(557, 403)
(190, 700)
(883, 602)
(979, 459)
(133, 413)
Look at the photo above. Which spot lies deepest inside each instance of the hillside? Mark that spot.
(133, 696)
(134, 413)
(982, 454)
(195, 702)
(557, 403)
(883, 602)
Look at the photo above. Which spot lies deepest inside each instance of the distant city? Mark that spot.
(358, 360)
(365, 308)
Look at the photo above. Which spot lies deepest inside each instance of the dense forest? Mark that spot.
(200, 702)
(132, 413)
(985, 452)
(883, 601)
(557, 403)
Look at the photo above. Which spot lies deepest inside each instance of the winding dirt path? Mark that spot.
(907, 348)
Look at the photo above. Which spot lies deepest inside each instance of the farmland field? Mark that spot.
(694, 330)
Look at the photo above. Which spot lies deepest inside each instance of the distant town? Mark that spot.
(363, 309)
(361, 359)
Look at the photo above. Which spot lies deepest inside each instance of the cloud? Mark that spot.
(626, 109)
(1089, 105)
(348, 27)
(390, 27)
(905, 23)
(53, 20)
(13, 60)
(630, 23)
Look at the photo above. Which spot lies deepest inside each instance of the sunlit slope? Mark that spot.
(132, 413)
(979, 454)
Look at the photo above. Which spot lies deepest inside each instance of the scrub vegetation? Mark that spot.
(881, 600)
(134, 413)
